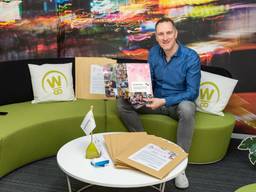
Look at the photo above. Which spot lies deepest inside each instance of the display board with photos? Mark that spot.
(89, 77)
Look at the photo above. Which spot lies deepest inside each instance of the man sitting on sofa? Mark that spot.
(175, 73)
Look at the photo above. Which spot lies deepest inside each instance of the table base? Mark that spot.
(161, 187)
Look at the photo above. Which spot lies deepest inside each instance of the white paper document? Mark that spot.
(153, 156)
(97, 85)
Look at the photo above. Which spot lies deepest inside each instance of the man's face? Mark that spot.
(166, 35)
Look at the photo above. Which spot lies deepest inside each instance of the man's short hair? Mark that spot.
(165, 19)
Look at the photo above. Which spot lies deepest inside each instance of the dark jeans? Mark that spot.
(184, 113)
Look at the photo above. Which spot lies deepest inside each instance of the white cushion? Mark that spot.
(52, 82)
(215, 92)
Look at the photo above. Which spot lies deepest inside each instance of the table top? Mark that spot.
(71, 159)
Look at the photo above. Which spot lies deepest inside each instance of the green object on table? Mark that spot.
(92, 152)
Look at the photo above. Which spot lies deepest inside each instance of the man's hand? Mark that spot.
(155, 103)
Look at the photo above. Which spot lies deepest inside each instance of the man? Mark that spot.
(175, 73)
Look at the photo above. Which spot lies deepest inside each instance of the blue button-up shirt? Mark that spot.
(178, 79)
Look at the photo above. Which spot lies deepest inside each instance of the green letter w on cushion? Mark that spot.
(209, 93)
(54, 82)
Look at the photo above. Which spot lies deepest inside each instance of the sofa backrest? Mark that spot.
(216, 70)
(15, 80)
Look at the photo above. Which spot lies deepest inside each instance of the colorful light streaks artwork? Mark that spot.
(242, 105)
(125, 29)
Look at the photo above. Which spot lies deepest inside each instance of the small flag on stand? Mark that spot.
(88, 125)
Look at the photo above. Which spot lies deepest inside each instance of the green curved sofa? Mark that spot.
(247, 188)
(34, 131)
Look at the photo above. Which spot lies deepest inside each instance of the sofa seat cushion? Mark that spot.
(25, 114)
(159, 125)
(34, 131)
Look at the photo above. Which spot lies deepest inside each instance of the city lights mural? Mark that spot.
(223, 32)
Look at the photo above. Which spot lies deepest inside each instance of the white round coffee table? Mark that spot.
(71, 160)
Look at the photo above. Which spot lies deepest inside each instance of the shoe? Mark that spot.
(181, 181)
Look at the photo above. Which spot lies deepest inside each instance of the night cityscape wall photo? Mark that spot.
(222, 32)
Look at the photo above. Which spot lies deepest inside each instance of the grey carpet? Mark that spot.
(227, 175)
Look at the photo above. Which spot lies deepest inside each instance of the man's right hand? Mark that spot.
(155, 103)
